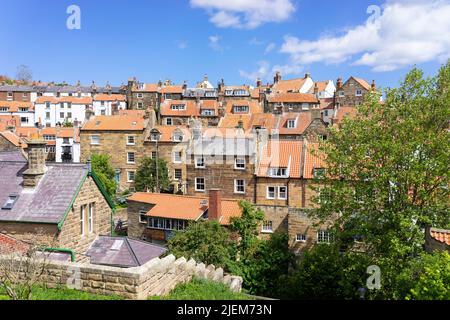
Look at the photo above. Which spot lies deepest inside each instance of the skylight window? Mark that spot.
(9, 204)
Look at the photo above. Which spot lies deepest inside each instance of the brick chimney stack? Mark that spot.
(258, 83)
(316, 89)
(374, 86)
(277, 77)
(215, 204)
(36, 162)
(339, 83)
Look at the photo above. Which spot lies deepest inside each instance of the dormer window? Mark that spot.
(178, 107)
(291, 124)
(23, 109)
(200, 163)
(4, 109)
(9, 204)
(278, 172)
(210, 94)
(228, 92)
(240, 109)
(208, 112)
(177, 137)
(240, 93)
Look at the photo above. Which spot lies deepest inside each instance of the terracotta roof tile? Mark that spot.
(313, 160)
(292, 85)
(281, 154)
(184, 207)
(232, 121)
(253, 106)
(440, 235)
(303, 120)
(168, 131)
(172, 89)
(363, 83)
(114, 123)
(73, 100)
(10, 245)
(13, 106)
(110, 97)
(293, 98)
(191, 109)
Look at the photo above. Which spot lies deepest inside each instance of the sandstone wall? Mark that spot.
(156, 278)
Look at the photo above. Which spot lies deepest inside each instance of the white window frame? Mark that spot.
(128, 158)
(236, 185)
(131, 143)
(236, 167)
(268, 196)
(267, 226)
(341, 94)
(323, 236)
(128, 176)
(200, 163)
(10, 96)
(93, 143)
(291, 124)
(175, 174)
(91, 218)
(300, 237)
(285, 192)
(140, 95)
(169, 123)
(278, 172)
(358, 93)
(175, 157)
(140, 105)
(143, 213)
(197, 183)
(82, 213)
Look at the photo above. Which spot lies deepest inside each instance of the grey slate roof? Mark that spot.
(12, 156)
(122, 252)
(49, 201)
(14, 88)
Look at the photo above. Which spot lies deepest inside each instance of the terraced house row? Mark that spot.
(222, 144)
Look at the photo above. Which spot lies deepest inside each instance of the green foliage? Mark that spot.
(67, 124)
(261, 263)
(146, 175)
(426, 278)
(105, 172)
(326, 273)
(393, 161)
(247, 225)
(264, 267)
(202, 290)
(206, 241)
(41, 293)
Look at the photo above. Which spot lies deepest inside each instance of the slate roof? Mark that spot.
(49, 201)
(122, 252)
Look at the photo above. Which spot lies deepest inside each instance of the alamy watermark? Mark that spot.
(73, 22)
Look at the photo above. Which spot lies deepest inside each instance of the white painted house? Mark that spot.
(52, 111)
(109, 104)
(24, 110)
(67, 147)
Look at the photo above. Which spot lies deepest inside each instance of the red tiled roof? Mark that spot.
(172, 89)
(343, 112)
(13, 138)
(168, 131)
(363, 83)
(292, 85)
(281, 154)
(110, 97)
(14, 106)
(303, 120)
(184, 207)
(232, 121)
(293, 98)
(73, 100)
(253, 106)
(10, 245)
(263, 120)
(114, 123)
(313, 160)
(191, 109)
(440, 235)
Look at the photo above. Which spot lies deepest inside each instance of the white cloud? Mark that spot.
(265, 71)
(182, 45)
(247, 14)
(270, 47)
(405, 33)
(214, 43)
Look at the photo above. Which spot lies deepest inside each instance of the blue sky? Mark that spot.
(234, 40)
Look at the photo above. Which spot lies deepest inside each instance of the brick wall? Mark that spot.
(156, 278)
(17, 96)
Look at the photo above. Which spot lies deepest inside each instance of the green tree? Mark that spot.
(426, 278)
(206, 241)
(105, 172)
(392, 161)
(146, 177)
(247, 226)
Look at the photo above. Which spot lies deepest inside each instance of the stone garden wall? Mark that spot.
(156, 278)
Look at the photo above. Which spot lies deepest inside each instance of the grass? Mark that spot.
(202, 290)
(40, 293)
